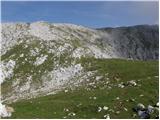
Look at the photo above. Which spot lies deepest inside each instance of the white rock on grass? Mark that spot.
(121, 86)
(22, 55)
(34, 52)
(66, 109)
(105, 108)
(40, 60)
(132, 82)
(117, 98)
(125, 109)
(94, 98)
(99, 109)
(106, 116)
(156, 76)
(157, 104)
(99, 77)
(71, 114)
(140, 106)
(150, 109)
(65, 91)
(117, 112)
(77, 53)
(7, 69)
(5, 111)
(141, 95)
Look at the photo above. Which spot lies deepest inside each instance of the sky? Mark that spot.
(91, 14)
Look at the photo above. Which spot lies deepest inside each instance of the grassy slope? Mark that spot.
(79, 101)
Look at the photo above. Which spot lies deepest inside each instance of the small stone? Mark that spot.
(141, 95)
(99, 109)
(65, 91)
(109, 87)
(64, 117)
(117, 112)
(121, 86)
(157, 104)
(140, 106)
(132, 100)
(156, 76)
(94, 98)
(105, 108)
(106, 116)
(125, 109)
(117, 98)
(71, 114)
(132, 83)
(21, 55)
(65, 109)
(143, 114)
(111, 110)
(150, 109)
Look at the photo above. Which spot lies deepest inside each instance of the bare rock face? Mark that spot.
(137, 42)
(41, 58)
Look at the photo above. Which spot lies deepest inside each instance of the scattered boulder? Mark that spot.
(146, 113)
(117, 98)
(157, 104)
(150, 109)
(132, 83)
(140, 106)
(99, 109)
(94, 98)
(121, 86)
(125, 109)
(106, 116)
(5, 111)
(141, 95)
(105, 108)
(143, 114)
(65, 91)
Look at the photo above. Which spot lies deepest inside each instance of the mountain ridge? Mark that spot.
(43, 58)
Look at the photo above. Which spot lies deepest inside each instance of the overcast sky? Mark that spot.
(91, 14)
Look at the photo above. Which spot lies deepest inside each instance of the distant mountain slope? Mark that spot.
(136, 42)
(43, 58)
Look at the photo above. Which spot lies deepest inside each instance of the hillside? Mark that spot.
(109, 92)
(42, 60)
